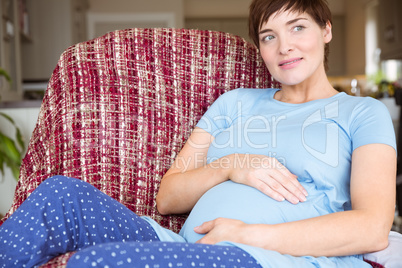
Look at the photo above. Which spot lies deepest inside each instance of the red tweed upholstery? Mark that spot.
(119, 108)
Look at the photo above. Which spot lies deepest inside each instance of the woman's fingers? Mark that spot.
(204, 228)
(266, 189)
(292, 189)
(287, 179)
(269, 176)
(275, 184)
(292, 178)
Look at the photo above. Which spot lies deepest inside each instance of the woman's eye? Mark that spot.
(268, 38)
(298, 28)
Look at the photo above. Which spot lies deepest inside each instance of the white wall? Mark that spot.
(25, 119)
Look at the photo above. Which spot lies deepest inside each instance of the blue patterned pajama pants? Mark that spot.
(65, 214)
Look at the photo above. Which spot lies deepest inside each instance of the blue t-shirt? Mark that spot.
(314, 140)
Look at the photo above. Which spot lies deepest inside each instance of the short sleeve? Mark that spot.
(371, 123)
(220, 114)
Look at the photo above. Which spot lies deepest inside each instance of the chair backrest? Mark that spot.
(119, 108)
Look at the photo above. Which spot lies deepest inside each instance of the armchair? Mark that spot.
(119, 108)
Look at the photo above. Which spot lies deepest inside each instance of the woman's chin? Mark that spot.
(290, 82)
(289, 78)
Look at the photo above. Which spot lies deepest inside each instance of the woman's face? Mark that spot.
(292, 46)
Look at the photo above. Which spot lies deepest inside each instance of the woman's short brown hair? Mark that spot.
(261, 11)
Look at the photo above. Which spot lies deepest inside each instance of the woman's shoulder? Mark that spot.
(362, 100)
(367, 121)
(365, 111)
(359, 104)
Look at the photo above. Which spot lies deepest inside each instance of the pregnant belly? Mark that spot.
(241, 202)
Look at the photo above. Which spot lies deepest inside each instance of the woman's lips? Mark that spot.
(291, 63)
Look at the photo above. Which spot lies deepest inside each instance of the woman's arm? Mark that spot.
(190, 176)
(363, 229)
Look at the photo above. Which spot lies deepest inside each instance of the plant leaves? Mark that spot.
(20, 139)
(8, 118)
(10, 155)
(5, 74)
(18, 134)
(16, 172)
(1, 164)
(7, 147)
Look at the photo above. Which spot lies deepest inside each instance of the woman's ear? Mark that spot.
(328, 32)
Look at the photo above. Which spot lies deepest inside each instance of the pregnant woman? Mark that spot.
(302, 176)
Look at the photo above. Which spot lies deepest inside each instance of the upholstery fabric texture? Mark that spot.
(119, 108)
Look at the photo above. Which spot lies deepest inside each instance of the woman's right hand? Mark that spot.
(267, 175)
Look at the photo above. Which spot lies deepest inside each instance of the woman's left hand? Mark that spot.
(221, 229)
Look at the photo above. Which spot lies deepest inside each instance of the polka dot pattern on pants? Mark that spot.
(162, 254)
(65, 214)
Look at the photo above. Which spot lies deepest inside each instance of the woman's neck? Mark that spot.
(306, 91)
(294, 96)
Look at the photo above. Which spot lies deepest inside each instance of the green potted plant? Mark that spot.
(5, 74)
(10, 149)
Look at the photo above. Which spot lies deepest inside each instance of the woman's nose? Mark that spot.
(285, 47)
